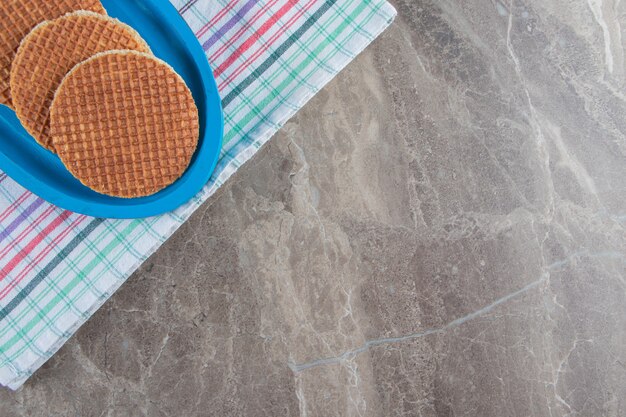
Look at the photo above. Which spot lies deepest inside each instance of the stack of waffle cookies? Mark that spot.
(87, 87)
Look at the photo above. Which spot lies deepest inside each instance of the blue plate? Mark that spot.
(42, 172)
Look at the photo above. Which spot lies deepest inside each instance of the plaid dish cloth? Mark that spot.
(269, 58)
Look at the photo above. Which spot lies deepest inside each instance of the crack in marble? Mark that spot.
(296, 368)
(350, 354)
(416, 182)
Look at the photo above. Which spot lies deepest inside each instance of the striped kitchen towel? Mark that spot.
(269, 58)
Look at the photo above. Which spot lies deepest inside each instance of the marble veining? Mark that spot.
(457, 322)
(439, 232)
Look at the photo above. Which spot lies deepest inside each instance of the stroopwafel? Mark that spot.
(50, 51)
(19, 17)
(124, 123)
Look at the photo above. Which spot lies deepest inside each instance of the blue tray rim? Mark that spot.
(193, 180)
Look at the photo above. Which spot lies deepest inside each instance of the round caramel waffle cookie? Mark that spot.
(50, 51)
(124, 123)
(18, 17)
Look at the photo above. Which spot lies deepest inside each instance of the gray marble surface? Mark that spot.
(440, 232)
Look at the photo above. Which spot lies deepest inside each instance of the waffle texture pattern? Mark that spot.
(269, 57)
(19, 17)
(125, 124)
(50, 51)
